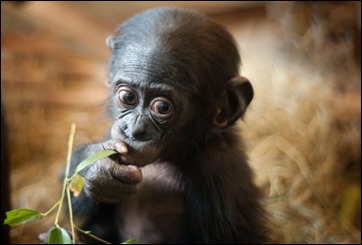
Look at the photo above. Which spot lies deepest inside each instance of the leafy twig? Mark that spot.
(57, 234)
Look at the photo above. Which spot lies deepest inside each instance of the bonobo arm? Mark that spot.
(106, 180)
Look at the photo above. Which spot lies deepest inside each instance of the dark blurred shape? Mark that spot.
(5, 185)
(16, 4)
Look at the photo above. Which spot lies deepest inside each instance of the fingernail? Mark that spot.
(121, 148)
(124, 149)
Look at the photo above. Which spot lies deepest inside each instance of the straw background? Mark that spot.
(302, 130)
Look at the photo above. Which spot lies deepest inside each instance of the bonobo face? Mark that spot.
(173, 80)
(145, 114)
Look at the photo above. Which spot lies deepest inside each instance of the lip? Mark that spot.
(140, 153)
(139, 158)
(135, 145)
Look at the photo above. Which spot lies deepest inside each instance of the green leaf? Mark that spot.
(58, 235)
(20, 216)
(88, 161)
(76, 184)
(130, 241)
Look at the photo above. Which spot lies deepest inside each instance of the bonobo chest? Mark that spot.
(156, 213)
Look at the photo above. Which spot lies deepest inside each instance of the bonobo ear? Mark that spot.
(239, 94)
(110, 42)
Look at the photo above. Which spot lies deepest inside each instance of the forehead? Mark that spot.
(151, 67)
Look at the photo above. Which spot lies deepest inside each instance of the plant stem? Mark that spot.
(70, 149)
(52, 208)
(65, 182)
(71, 214)
(93, 236)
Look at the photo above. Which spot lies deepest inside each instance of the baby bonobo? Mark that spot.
(180, 175)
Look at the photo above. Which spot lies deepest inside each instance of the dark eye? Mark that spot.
(127, 96)
(162, 108)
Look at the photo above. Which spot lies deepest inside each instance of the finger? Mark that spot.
(118, 146)
(129, 174)
(121, 147)
(112, 192)
(108, 145)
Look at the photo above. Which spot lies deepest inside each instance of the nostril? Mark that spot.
(139, 131)
(140, 135)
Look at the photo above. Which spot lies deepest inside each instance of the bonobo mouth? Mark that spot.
(140, 153)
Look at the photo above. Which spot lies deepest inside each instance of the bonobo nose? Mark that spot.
(139, 129)
(140, 135)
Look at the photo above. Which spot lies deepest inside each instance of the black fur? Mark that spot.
(196, 186)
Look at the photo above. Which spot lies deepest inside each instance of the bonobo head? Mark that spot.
(174, 83)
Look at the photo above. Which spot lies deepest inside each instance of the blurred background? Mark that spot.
(302, 130)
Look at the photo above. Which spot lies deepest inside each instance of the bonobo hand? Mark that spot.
(107, 180)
